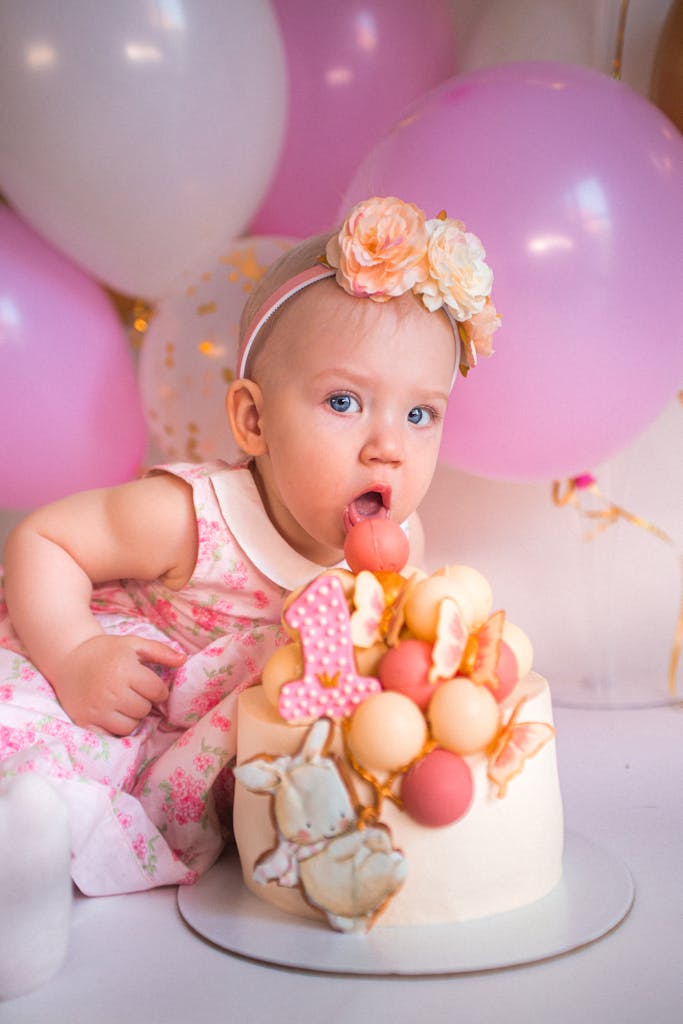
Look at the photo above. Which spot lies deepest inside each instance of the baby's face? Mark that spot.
(354, 395)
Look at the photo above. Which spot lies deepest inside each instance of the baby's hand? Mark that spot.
(104, 684)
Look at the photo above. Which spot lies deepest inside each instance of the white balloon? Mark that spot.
(138, 136)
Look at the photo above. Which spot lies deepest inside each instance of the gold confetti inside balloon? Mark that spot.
(190, 349)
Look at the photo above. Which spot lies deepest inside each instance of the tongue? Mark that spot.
(367, 506)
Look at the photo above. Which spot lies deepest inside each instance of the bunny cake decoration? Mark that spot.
(345, 869)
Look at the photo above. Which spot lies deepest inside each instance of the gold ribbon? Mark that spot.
(605, 516)
(618, 56)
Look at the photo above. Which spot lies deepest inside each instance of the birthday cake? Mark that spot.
(397, 765)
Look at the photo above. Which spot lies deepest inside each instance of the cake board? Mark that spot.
(595, 895)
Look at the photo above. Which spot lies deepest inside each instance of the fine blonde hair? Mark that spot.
(297, 259)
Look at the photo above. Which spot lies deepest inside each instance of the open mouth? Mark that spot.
(373, 504)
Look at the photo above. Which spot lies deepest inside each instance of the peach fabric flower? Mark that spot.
(386, 247)
(380, 251)
(458, 273)
(480, 328)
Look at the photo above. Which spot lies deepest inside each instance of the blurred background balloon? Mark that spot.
(190, 349)
(138, 136)
(575, 185)
(644, 21)
(533, 30)
(584, 32)
(353, 67)
(666, 89)
(70, 416)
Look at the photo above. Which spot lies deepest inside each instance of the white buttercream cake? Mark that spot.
(397, 767)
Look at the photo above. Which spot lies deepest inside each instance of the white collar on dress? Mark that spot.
(243, 511)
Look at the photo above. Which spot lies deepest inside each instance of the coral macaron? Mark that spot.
(405, 669)
(377, 545)
(438, 789)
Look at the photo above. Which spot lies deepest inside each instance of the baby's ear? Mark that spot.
(244, 403)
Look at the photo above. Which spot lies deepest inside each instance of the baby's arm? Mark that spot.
(143, 530)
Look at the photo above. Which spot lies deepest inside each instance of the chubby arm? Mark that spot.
(144, 530)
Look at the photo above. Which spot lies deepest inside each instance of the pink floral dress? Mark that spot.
(153, 808)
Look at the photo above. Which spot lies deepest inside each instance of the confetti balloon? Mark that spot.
(190, 351)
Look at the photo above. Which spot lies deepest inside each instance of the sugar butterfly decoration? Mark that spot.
(378, 610)
(515, 744)
(472, 654)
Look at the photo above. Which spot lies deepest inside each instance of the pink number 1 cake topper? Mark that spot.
(330, 685)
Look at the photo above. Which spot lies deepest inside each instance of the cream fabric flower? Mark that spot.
(380, 251)
(458, 273)
(386, 247)
(480, 328)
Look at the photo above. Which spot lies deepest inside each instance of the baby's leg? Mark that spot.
(35, 884)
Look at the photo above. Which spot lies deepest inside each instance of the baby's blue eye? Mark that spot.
(344, 403)
(420, 416)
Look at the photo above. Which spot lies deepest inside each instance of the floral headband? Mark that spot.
(387, 247)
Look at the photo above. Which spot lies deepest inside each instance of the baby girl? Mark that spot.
(136, 615)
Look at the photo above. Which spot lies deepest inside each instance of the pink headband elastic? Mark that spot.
(292, 287)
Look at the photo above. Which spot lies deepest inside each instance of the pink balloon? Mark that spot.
(70, 417)
(575, 185)
(353, 67)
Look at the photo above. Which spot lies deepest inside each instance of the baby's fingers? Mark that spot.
(115, 724)
(154, 652)
(149, 682)
(144, 689)
(146, 685)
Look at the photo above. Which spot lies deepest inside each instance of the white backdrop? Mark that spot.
(601, 613)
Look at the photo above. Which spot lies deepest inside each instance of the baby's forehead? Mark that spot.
(323, 320)
(324, 312)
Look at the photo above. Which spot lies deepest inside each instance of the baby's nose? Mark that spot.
(383, 444)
